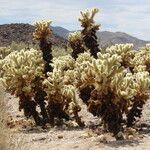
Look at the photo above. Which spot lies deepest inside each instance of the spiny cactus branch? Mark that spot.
(89, 30)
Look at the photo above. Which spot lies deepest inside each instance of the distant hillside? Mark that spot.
(108, 38)
(62, 32)
(22, 33)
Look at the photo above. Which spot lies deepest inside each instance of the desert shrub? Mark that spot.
(3, 131)
(112, 83)
(89, 30)
(86, 39)
(142, 58)
(60, 51)
(18, 46)
(125, 51)
(62, 95)
(76, 43)
(7, 138)
(115, 90)
(4, 51)
(20, 70)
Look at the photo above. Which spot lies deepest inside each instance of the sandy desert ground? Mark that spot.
(75, 138)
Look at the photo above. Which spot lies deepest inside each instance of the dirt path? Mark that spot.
(76, 138)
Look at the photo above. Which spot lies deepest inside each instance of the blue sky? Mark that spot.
(130, 16)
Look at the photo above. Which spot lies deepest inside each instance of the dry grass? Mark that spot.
(3, 131)
(7, 138)
(60, 51)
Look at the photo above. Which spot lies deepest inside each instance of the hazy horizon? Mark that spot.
(131, 17)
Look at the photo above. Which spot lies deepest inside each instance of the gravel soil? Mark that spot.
(73, 137)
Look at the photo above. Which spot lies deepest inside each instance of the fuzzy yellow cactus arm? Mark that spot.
(41, 33)
(142, 58)
(63, 63)
(100, 70)
(89, 30)
(125, 51)
(20, 68)
(19, 71)
(142, 81)
(42, 30)
(76, 42)
(107, 85)
(4, 51)
(81, 64)
(141, 86)
(66, 66)
(61, 93)
(87, 19)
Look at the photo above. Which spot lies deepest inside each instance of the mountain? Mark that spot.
(62, 32)
(23, 32)
(107, 38)
(20, 32)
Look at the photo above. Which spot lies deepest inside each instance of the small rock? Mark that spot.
(40, 139)
(141, 136)
(102, 139)
(60, 136)
(76, 146)
(119, 136)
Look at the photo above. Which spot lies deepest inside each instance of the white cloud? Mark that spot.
(128, 18)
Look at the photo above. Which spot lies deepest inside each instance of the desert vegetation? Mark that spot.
(113, 83)
(8, 140)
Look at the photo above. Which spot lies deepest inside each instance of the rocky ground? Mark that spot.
(75, 138)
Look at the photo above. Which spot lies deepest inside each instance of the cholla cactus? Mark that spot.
(113, 89)
(142, 57)
(141, 85)
(20, 69)
(125, 51)
(24, 65)
(63, 63)
(4, 51)
(42, 30)
(89, 30)
(87, 19)
(76, 42)
(62, 96)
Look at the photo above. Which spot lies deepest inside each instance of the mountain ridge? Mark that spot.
(22, 32)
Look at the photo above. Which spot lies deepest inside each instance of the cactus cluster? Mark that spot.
(125, 51)
(4, 51)
(62, 95)
(113, 84)
(86, 39)
(42, 29)
(115, 89)
(20, 69)
(142, 58)
(76, 42)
